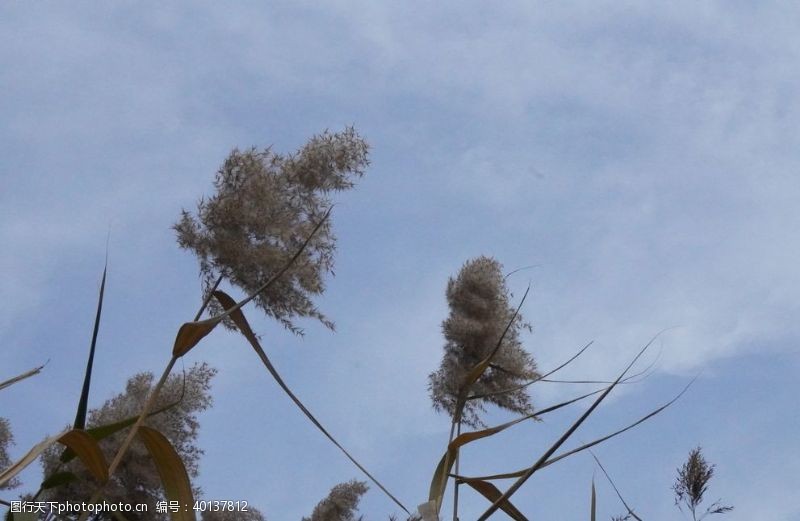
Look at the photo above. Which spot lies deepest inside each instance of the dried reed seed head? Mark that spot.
(265, 206)
(692, 484)
(693, 478)
(137, 480)
(341, 503)
(479, 313)
(6, 440)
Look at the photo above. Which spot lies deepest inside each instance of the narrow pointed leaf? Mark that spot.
(555, 459)
(104, 431)
(619, 495)
(18, 378)
(234, 311)
(594, 503)
(617, 433)
(80, 415)
(491, 493)
(11, 472)
(564, 437)
(79, 441)
(173, 473)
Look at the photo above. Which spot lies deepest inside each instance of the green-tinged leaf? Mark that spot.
(79, 441)
(563, 438)
(594, 503)
(448, 459)
(104, 431)
(191, 333)
(491, 493)
(9, 473)
(80, 415)
(439, 480)
(234, 311)
(58, 479)
(173, 473)
(88, 451)
(27, 374)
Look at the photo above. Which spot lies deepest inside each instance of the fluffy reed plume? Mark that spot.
(341, 503)
(6, 440)
(265, 206)
(479, 312)
(137, 480)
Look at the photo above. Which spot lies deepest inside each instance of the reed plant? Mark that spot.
(267, 232)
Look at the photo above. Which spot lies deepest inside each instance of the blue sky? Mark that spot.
(643, 158)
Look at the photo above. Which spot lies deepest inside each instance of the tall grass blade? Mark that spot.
(78, 441)
(469, 437)
(520, 473)
(20, 377)
(564, 437)
(234, 311)
(9, 473)
(628, 508)
(80, 415)
(492, 493)
(188, 336)
(617, 433)
(104, 431)
(172, 472)
(593, 506)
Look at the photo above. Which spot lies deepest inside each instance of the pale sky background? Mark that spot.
(643, 156)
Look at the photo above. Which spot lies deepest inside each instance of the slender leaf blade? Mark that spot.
(20, 377)
(11, 472)
(234, 311)
(564, 437)
(88, 451)
(80, 415)
(104, 431)
(173, 473)
(490, 492)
